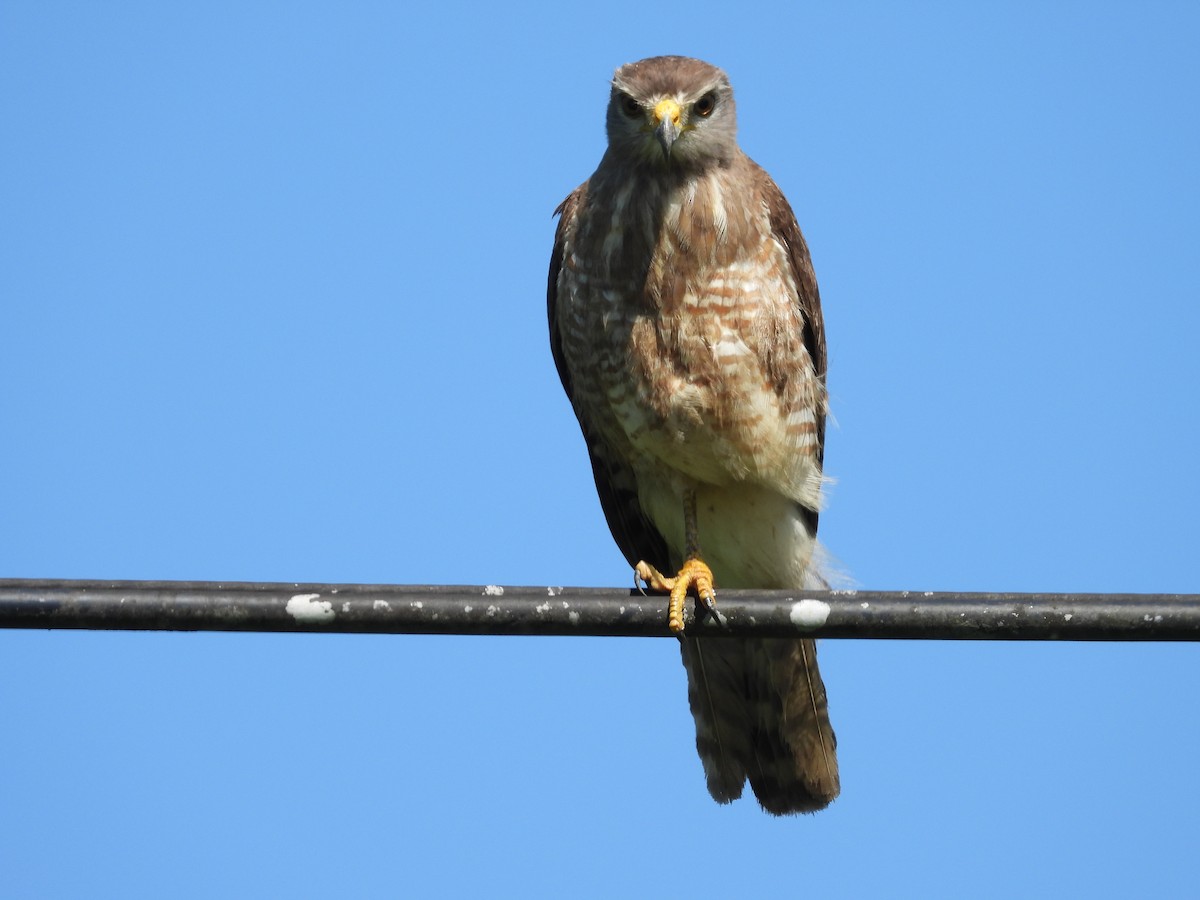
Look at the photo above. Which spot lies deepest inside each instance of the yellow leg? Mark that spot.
(694, 573)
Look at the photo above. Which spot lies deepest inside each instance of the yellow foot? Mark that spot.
(694, 574)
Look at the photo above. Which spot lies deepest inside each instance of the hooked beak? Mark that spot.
(666, 124)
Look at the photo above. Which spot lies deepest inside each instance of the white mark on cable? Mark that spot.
(809, 613)
(493, 590)
(307, 608)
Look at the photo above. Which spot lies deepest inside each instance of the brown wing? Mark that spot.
(808, 297)
(616, 484)
(787, 230)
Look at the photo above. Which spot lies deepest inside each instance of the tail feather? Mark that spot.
(723, 728)
(761, 714)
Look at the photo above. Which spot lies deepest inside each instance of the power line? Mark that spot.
(440, 609)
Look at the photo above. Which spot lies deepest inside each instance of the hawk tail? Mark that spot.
(761, 714)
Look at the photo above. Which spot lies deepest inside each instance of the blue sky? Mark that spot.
(272, 309)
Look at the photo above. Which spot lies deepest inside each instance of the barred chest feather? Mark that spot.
(683, 336)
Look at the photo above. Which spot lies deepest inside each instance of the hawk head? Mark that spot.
(672, 111)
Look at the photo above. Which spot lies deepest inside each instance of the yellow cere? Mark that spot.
(667, 109)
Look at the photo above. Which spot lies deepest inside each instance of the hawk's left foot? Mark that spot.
(694, 574)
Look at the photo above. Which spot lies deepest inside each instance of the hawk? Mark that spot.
(686, 327)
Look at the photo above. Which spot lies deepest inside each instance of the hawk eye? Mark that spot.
(705, 105)
(631, 107)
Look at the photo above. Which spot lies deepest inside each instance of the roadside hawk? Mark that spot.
(686, 327)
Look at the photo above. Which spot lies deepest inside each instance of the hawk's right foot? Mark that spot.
(694, 574)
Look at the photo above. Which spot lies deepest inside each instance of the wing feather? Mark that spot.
(808, 298)
(616, 483)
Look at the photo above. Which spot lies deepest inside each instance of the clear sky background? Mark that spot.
(272, 309)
